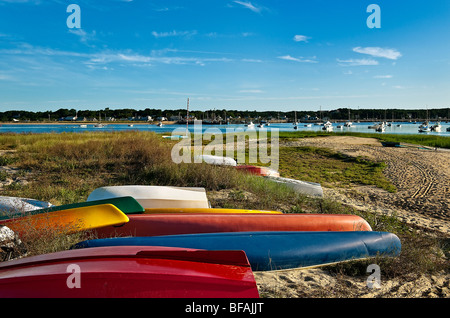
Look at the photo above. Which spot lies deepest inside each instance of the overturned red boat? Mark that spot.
(129, 272)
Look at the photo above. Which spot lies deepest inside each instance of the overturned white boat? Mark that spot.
(13, 205)
(216, 160)
(303, 187)
(155, 196)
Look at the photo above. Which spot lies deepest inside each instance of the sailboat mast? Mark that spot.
(187, 117)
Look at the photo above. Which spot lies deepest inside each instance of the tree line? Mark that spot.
(214, 114)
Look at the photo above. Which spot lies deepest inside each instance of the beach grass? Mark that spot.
(65, 168)
(331, 168)
(415, 139)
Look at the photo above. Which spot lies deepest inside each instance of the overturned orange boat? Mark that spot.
(172, 223)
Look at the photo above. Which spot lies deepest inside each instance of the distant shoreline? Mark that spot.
(85, 123)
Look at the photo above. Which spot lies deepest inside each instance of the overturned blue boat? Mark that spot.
(268, 251)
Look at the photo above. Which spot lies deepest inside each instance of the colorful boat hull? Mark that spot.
(66, 221)
(130, 272)
(155, 196)
(206, 211)
(259, 171)
(276, 250)
(127, 205)
(173, 224)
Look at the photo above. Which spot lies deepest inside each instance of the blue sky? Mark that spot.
(256, 55)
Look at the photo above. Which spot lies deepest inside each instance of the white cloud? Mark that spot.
(83, 35)
(134, 58)
(295, 59)
(174, 33)
(249, 5)
(357, 62)
(4, 77)
(251, 91)
(252, 60)
(383, 76)
(391, 54)
(301, 38)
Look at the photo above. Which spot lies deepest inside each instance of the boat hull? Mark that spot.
(268, 251)
(206, 211)
(127, 205)
(303, 187)
(259, 171)
(173, 224)
(66, 221)
(155, 196)
(130, 272)
(12, 205)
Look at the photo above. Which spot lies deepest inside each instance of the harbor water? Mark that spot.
(394, 128)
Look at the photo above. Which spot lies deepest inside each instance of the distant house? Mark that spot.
(161, 118)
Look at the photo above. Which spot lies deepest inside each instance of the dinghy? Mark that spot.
(303, 187)
(172, 224)
(129, 272)
(207, 211)
(12, 205)
(155, 196)
(66, 221)
(259, 171)
(127, 205)
(275, 250)
(216, 160)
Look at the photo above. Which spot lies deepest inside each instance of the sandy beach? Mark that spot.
(422, 200)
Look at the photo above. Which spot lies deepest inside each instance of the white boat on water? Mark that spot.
(155, 196)
(328, 126)
(381, 127)
(437, 127)
(303, 187)
(424, 127)
(160, 124)
(348, 124)
(308, 125)
(83, 126)
(99, 125)
(250, 125)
